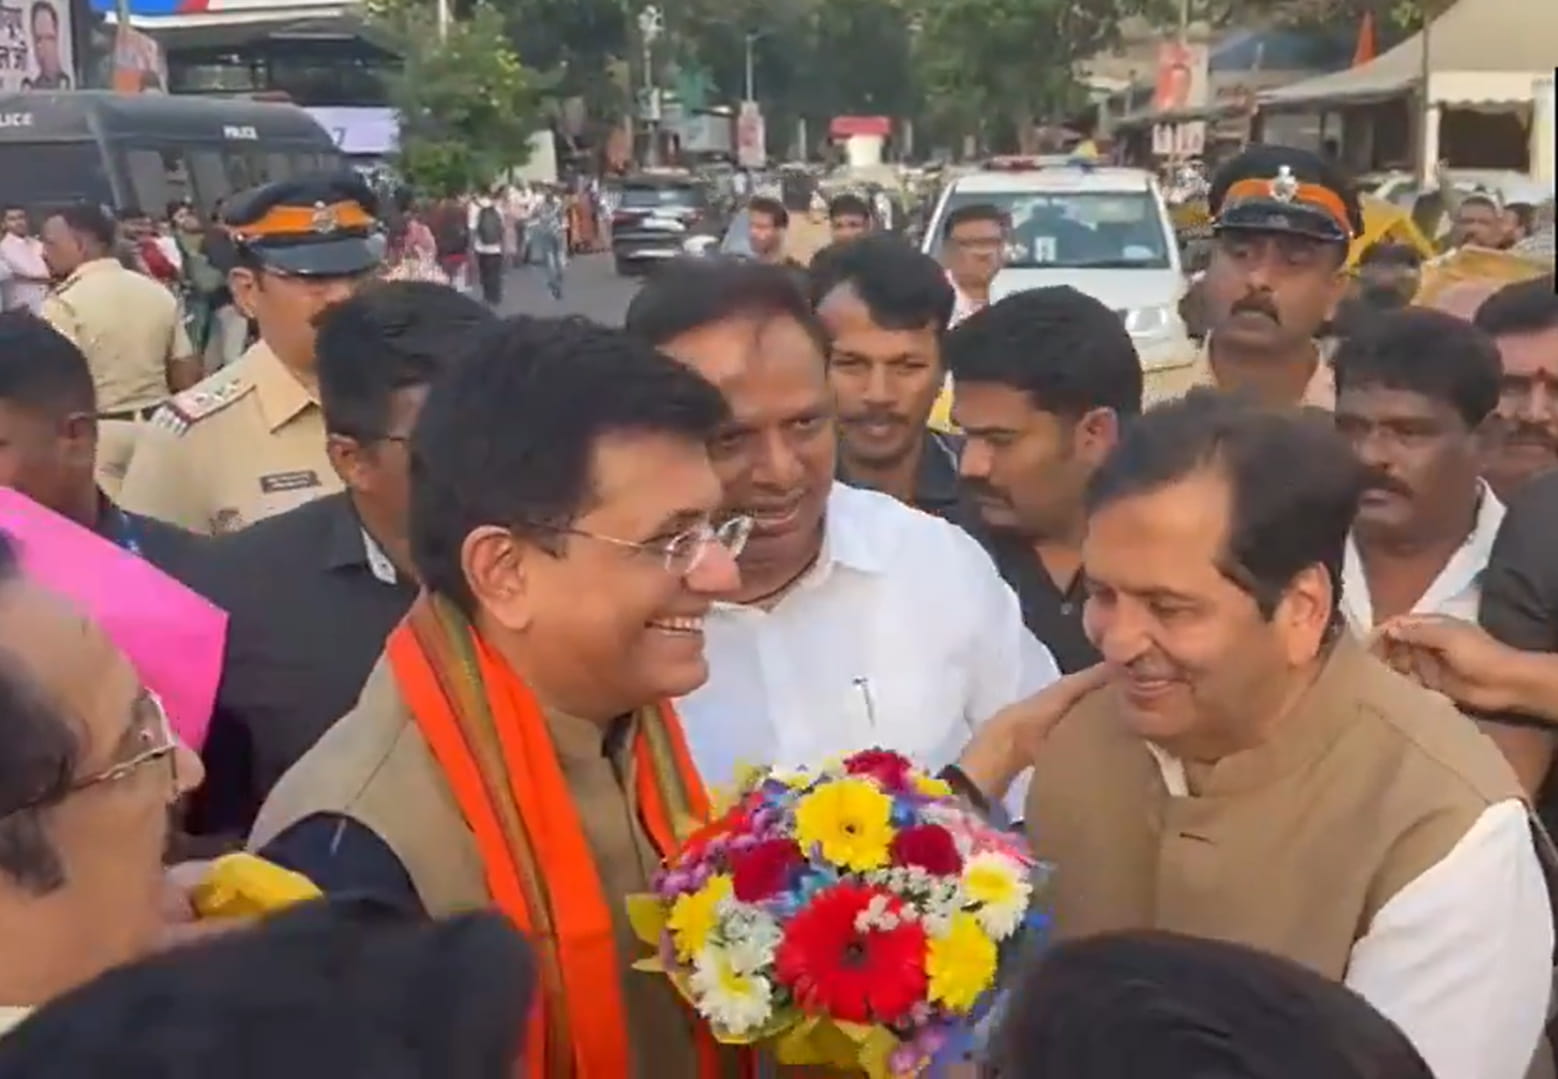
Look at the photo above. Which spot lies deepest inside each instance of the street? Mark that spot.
(591, 288)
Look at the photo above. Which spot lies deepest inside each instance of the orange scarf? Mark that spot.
(487, 733)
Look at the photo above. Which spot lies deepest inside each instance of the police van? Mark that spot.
(143, 151)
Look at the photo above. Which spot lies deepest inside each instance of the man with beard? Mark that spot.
(1043, 382)
(1522, 319)
(885, 307)
(1413, 396)
(1251, 774)
(1282, 222)
(849, 217)
(859, 622)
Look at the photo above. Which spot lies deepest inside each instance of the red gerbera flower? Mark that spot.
(868, 975)
(764, 869)
(929, 846)
(736, 821)
(889, 769)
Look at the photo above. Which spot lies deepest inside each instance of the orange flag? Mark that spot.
(1366, 47)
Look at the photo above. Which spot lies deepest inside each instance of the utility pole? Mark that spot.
(1428, 118)
(752, 37)
(443, 20)
(650, 25)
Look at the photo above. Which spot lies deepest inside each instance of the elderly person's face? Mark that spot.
(101, 837)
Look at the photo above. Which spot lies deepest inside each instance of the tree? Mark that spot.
(468, 107)
(1004, 65)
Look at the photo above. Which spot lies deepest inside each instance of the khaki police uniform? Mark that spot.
(127, 326)
(242, 445)
(249, 441)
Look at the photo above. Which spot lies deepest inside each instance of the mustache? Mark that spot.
(1376, 480)
(1529, 432)
(1257, 303)
(982, 490)
(875, 415)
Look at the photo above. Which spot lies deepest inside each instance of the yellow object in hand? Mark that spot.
(244, 886)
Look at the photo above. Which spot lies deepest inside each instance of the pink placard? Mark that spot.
(174, 637)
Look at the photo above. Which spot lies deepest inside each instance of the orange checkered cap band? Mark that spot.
(1313, 195)
(302, 220)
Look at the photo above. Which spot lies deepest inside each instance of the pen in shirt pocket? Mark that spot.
(863, 685)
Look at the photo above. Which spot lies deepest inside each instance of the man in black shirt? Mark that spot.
(1042, 382)
(313, 593)
(48, 442)
(885, 306)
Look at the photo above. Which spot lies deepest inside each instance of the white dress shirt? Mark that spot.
(22, 256)
(901, 636)
(963, 305)
(1461, 957)
(1457, 589)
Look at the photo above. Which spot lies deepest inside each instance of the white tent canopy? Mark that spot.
(1480, 52)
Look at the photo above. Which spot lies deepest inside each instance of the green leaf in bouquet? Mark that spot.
(795, 1046)
(647, 915)
(778, 1023)
(650, 965)
(874, 1045)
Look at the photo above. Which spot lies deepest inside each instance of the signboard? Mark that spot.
(35, 45)
(1179, 140)
(138, 62)
(751, 137)
(360, 131)
(1544, 164)
(1181, 77)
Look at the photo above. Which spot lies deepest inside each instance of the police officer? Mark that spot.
(1282, 220)
(249, 441)
(126, 324)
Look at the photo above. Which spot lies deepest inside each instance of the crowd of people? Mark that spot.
(1267, 671)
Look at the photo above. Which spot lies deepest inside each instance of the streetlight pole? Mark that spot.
(650, 24)
(751, 77)
(443, 20)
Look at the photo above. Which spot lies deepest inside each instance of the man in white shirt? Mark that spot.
(24, 276)
(1414, 395)
(860, 622)
(973, 249)
(487, 228)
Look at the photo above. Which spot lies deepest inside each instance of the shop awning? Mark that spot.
(1481, 52)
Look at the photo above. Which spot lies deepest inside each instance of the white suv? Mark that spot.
(1105, 231)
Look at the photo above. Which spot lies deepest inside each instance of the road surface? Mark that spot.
(591, 288)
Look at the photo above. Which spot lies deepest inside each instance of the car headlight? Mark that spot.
(1154, 321)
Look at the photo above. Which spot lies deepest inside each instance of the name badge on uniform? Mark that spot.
(281, 482)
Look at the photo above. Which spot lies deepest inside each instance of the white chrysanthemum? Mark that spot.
(735, 1003)
(751, 937)
(997, 891)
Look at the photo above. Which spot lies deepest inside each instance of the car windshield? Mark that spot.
(1075, 229)
(659, 196)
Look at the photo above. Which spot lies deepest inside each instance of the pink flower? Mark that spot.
(889, 769)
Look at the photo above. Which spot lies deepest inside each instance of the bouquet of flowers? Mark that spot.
(856, 917)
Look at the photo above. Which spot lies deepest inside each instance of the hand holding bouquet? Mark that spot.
(855, 917)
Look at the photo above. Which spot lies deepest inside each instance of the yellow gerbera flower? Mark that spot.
(932, 787)
(850, 820)
(960, 964)
(694, 916)
(1001, 890)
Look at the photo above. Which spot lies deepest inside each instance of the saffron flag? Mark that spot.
(1367, 47)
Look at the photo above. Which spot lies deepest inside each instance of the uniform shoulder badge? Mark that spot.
(183, 410)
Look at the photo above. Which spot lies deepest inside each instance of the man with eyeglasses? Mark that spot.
(312, 593)
(89, 771)
(516, 746)
(973, 249)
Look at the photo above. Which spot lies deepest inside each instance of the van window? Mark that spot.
(51, 173)
(209, 175)
(157, 177)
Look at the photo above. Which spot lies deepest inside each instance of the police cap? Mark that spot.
(321, 225)
(1283, 189)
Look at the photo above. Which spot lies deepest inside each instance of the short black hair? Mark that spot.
(42, 370)
(1523, 307)
(976, 211)
(387, 337)
(849, 204)
(1400, 256)
(89, 220)
(1193, 1007)
(329, 990)
(1276, 529)
(1062, 347)
(37, 768)
(690, 293)
(42, 6)
(902, 288)
(508, 436)
(773, 209)
(1444, 358)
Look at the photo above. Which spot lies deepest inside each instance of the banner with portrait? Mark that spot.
(35, 45)
(1181, 77)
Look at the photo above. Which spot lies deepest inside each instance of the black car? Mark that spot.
(655, 217)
